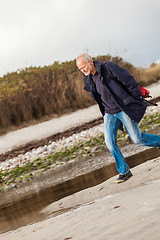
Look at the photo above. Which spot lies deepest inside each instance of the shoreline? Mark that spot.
(131, 210)
(42, 197)
(63, 182)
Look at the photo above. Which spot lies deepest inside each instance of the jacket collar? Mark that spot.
(97, 66)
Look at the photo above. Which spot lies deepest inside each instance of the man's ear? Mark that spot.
(91, 62)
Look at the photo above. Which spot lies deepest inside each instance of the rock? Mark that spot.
(62, 145)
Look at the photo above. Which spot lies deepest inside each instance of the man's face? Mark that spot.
(84, 67)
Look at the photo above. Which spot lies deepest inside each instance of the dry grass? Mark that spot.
(148, 76)
(34, 94)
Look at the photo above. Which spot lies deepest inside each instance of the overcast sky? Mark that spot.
(39, 32)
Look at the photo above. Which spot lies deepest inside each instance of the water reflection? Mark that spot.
(28, 210)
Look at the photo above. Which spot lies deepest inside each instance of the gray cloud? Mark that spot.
(39, 32)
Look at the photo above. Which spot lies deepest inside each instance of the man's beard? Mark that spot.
(87, 74)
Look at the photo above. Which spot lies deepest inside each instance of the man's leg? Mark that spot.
(111, 125)
(135, 134)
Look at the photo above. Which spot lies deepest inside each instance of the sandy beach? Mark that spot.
(106, 211)
(130, 210)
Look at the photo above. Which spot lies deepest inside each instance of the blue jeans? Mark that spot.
(111, 125)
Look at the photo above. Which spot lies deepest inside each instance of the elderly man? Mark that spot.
(120, 101)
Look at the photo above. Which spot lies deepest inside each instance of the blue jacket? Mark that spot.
(122, 87)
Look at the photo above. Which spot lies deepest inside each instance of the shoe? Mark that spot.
(123, 177)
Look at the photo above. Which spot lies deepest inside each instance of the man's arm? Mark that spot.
(123, 76)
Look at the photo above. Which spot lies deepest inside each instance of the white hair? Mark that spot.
(85, 56)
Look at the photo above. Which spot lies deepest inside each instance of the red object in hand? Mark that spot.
(145, 93)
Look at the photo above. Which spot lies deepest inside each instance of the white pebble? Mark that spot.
(60, 145)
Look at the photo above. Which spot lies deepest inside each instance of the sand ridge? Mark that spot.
(106, 211)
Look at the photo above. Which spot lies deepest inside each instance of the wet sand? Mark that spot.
(106, 211)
